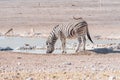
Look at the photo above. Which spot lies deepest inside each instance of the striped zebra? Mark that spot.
(78, 28)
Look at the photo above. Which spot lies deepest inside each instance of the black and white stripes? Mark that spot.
(75, 29)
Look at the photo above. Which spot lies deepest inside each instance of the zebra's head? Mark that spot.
(52, 38)
(50, 46)
(50, 43)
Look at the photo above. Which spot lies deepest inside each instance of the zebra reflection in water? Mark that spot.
(76, 29)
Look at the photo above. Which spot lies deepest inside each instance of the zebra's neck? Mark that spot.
(53, 38)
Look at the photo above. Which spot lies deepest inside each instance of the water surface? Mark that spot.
(16, 42)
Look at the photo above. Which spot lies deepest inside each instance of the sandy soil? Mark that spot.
(88, 66)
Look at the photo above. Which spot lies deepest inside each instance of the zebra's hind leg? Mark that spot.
(80, 41)
(84, 42)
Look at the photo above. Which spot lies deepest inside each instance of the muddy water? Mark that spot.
(17, 42)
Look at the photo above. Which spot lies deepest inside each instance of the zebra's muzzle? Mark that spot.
(48, 52)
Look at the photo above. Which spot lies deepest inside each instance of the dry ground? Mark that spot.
(90, 66)
(22, 15)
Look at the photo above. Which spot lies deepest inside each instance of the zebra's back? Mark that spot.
(72, 29)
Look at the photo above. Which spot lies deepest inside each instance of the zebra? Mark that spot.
(78, 28)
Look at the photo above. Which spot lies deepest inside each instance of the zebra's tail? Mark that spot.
(88, 35)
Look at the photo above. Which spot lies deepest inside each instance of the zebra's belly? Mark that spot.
(71, 36)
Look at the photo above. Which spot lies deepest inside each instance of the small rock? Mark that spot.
(6, 78)
(29, 78)
(54, 77)
(19, 63)
(112, 78)
(93, 68)
(19, 57)
(64, 72)
(85, 67)
(18, 73)
(68, 63)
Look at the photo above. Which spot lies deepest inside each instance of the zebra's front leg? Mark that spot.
(64, 46)
(79, 43)
(63, 41)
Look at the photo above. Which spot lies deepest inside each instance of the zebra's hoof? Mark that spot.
(64, 52)
(77, 51)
